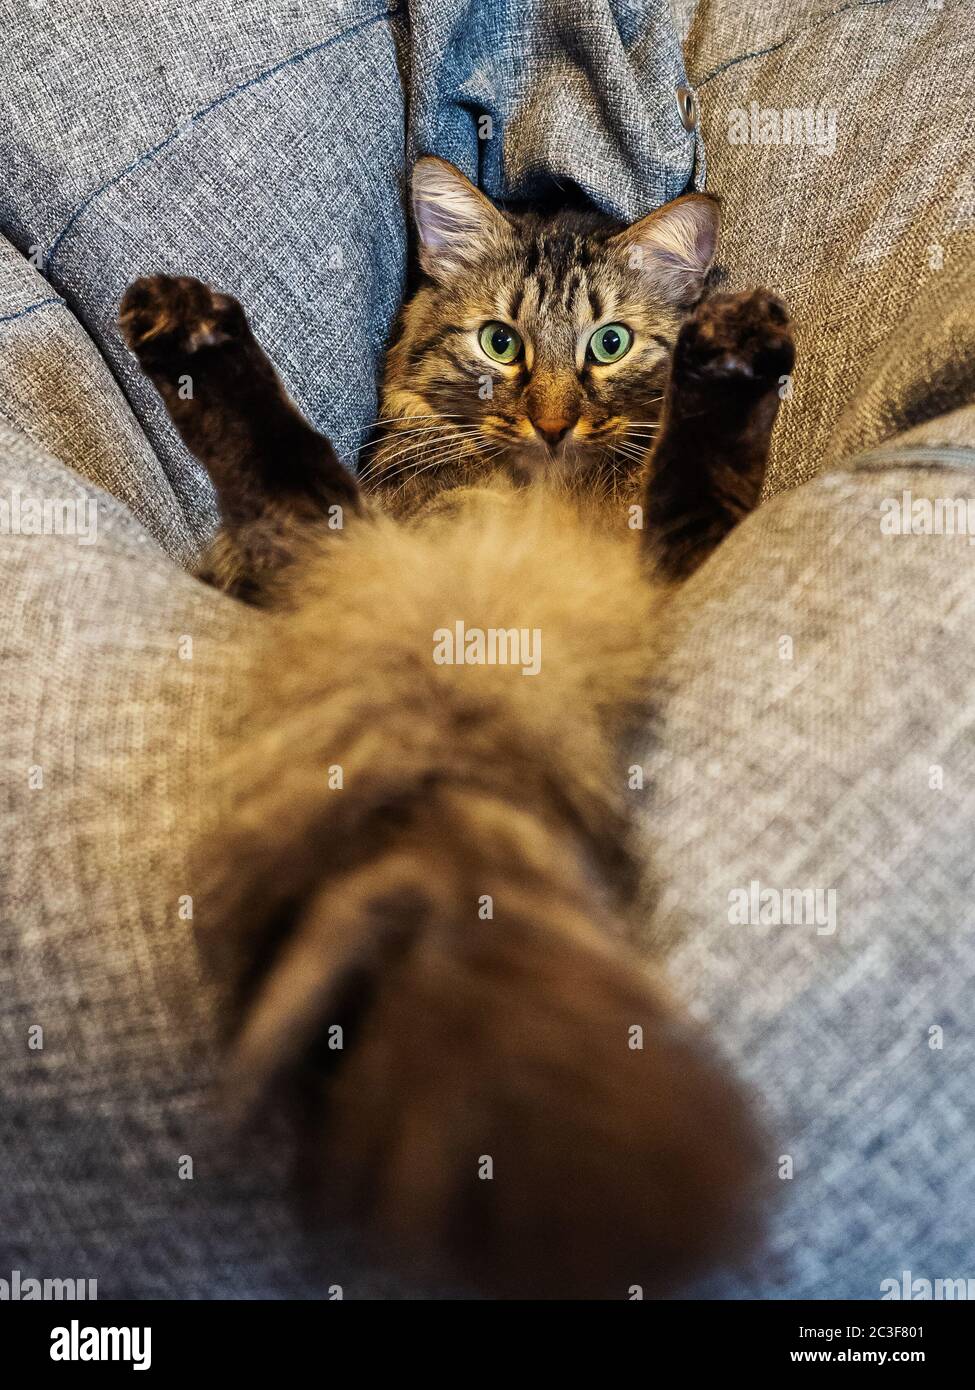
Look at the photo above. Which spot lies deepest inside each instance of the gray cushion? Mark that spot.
(859, 239)
(818, 732)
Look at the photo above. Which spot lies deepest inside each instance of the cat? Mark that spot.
(420, 892)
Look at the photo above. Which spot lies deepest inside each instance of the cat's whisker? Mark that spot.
(380, 460)
(396, 434)
(430, 415)
(439, 437)
(382, 421)
(425, 468)
(381, 463)
(624, 462)
(380, 481)
(632, 438)
(386, 435)
(406, 482)
(441, 454)
(391, 436)
(407, 429)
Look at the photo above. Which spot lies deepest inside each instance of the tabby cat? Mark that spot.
(421, 889)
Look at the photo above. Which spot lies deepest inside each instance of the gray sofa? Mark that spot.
(816, 723)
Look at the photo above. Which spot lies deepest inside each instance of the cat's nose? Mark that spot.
(552, 428)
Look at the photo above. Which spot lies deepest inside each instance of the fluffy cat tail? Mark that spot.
(485, 1075)
(427, 948)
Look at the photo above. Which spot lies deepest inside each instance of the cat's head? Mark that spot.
(541, 343)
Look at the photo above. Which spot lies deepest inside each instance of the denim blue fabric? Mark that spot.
(527, 95)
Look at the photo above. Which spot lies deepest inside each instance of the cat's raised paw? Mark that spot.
(745, 337)
(174, 316)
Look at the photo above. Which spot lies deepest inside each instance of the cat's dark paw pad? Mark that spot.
(165, 316)
(744, 337)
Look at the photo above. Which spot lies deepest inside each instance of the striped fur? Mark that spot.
(449, 412)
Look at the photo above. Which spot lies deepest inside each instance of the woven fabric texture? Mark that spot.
(815, 708)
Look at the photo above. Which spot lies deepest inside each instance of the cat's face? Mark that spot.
(540, 344)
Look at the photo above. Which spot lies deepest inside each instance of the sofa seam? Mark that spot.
(781, 43)
(196, 116)
(30, 308)
(934, 456)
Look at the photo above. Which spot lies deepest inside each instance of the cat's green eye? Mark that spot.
(500, 342)
(610, 343)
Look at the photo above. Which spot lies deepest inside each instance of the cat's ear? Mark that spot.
(456, 223)
(675, 246)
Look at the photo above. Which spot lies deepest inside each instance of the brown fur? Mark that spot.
(469, 1037)
(555, 414)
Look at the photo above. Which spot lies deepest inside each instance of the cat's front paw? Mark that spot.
(736, 338)
(171, 317)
